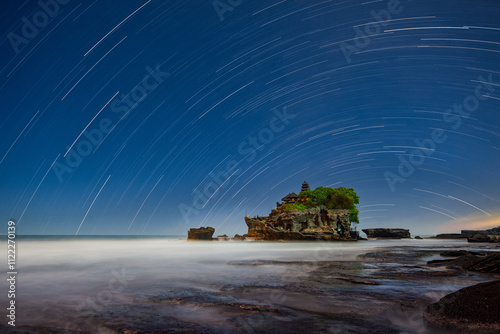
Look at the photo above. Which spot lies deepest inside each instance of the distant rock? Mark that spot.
(202, 233)
(387, 233)
(491, 231)
(474, 308)
(494, 233)
(450, 236)
(222, 237)
(238, 237)
(479, 237)
(418, 237)
(483, 237)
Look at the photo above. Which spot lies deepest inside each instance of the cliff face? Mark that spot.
(310, 224)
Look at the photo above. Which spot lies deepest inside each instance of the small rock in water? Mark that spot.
(202, 233)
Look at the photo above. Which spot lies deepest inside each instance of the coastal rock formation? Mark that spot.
(310, 224)
(472, 261)
(472, 308)
(202, 233)
(387, 233)
(450, 236)
(492, 232)
(482, 237)
(486, 264)
(478, 237)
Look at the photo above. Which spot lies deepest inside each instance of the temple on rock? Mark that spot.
(305, 186)
(290, 198)
(317, 223)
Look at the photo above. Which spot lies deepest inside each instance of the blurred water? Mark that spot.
(60, 273)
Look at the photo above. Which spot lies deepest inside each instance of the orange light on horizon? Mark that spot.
(470, 223)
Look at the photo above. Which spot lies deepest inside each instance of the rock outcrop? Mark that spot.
(472, 261)
(202, 233)
(387, 233)
(491, 231)
(311, 224)
(450, 236)
(473, 308)
(483, 237)
(494, 234)
(486, 264)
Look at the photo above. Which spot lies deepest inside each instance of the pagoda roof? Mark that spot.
(290, 196)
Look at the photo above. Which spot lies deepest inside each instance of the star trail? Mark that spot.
(152, 117)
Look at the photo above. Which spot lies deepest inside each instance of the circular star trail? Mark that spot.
(151, 117)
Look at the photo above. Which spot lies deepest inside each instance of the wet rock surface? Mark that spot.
(474, 308)
(473, 261)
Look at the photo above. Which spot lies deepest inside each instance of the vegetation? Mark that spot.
(331, 198)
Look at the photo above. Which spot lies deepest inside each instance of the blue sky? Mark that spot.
(151, 117)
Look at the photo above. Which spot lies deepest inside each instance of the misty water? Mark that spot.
(61, 281)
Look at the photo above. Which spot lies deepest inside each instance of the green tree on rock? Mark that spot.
(331, 198)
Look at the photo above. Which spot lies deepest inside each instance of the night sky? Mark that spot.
(152, 117)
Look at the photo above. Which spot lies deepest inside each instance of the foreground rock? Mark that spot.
(202, 233)
(387, 233)
(311, 224)
(475, 308)
(486, 264)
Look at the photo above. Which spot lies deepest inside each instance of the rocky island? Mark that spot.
(202, 233)
(319, 214)
(387, 233)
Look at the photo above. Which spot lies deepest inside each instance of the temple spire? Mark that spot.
(305, 186)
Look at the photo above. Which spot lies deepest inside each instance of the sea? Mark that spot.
(60, 279)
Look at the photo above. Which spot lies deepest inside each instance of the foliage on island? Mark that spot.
(331, 198)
